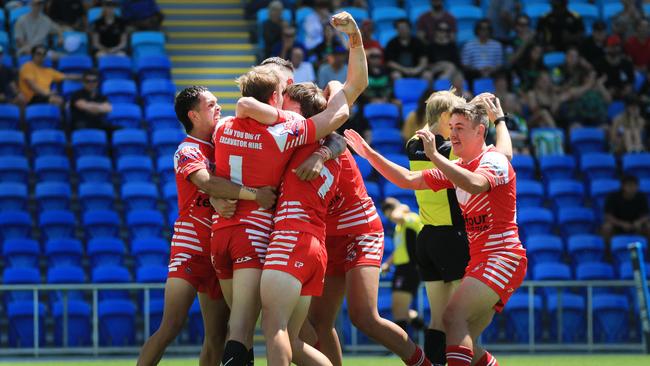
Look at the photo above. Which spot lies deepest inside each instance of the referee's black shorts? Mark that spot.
(406, 278)
(442, 253)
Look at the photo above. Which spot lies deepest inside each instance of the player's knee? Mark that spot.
(172, 326)
(363, 319)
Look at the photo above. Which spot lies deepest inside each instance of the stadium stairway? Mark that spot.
(207, 41)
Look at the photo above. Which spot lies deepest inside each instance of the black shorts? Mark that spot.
(406, 278)
(442, 253)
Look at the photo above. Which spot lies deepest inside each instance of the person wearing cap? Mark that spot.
(335, 68)
(8, 88)
(406, 55)
(593, 47)
(34, 28)
(560, 28)
(35, 80)
(618, 70)
(109, 34)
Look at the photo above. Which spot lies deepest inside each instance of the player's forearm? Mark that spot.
(218, 187)
(357, 78)
(503, 141)
(395, 173)
(336, 145)
(462, 178)
(249, 107)
(336, 113)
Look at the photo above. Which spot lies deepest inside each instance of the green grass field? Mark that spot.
(542, 360)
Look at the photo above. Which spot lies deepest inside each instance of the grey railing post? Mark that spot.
(559, 309)
(147, 313)
(531, 318)
(95, 323)
(590, 319)
(36, 318)
(65, 318)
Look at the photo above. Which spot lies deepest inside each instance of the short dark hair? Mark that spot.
(474, 112)
(309, 96)
(279, 61)
(401, 20)
(90, 72)
(38, 47)
(188, 99)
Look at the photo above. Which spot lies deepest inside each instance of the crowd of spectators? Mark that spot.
(604, 62)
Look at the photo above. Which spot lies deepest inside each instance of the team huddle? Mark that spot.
(274, 218)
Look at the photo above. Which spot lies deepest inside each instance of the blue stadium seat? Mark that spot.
(596, 271)
(139, 195)
(66, 274)
(557, 167)
(4, 37)
(144, 223)
(536, 11)
(12, 143)
(79, 328)
(130, 141)
(575, 220)
(15, 14)
(152, 274)
(95, 169)
(13, 196)
(153, 67)
(483, 85)
(530, 193)
(135, 168)
(364, 166)
(172, 215)
(57, 224)
(96, 196)
(21, 323)
(598, 165)
(619, 244)
(416, 10)
(374, 192)
(158, 91)
(610, 318)
(116, 323)
(18, 276)
(106, 250)
(441, 84)
(42, 116)
(400, 159)
(587, 140)
(89, 142)
(69, 87)
(566, 192)
(53, 196)
(574, 322)
(15, 225)
(615, 108)
(14, 169)
(52, 168)
(600, 188)
(150, 251)
(551, 272)
(466, 15)
(374, 4)
(95, 13)
(609, 9)
(108, 273)
(524, 166)
(517, 319)
(381, 115)
(409, 90)
(21, 253)
(535, 221)
(48, 142)
(80, 39)
(74, 64)
(161, 116)
(637, 164)
(585, 248)
(544, 249)
(165, 169)
(64, 251)
(407, 109)
(126, 115)
(553, 59)
(115, 67)
(9, 116)
(383, 17)
(405, 196)
(170, 195)
(166, 141)
(120, 91)
(387, 140)
(101, 223)
(147, 43)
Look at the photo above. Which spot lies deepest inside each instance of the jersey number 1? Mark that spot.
(235, 163)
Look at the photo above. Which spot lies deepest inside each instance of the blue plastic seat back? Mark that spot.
(74, 64)
(126, 115)
(21, 253)
(115, 67)
(140, 195)
(161, 116)
(387, 140)
(12, 143)
(116, 323)
(637, 164)
(52, 168)
(576, 220)
(535, 220)
(53, 196)
(153, 274)
(48, 142)
(9, 116)
(587, 140)
(135, 168)
(158, 91)
(585, 248)
(566, 193)
(483, 85)
(79, 323)
(101, 223)
(95, 169)
(17, 276)
(384, 17)
(14, 169)
(524, 166)
(152, 251)
(517, 319)
(87, 142)
(165, 169)
(69, 87)
(13, 196)
(530, 193)
(119, 91)
(166, 141)
(15, 225)
(610, 318)
(42, 116)
(130, 141)
(153, 67)
(598, 165)
(106, 250)
(57, 224)
(381, 115)
(147, 43)
(374, 191)
(108, 273)
(63, 251)
(619, 246)
(409, 90)
(544, 249)
(574, 320)
(557, 167)
(96, 196)
(144, 223)
(21, 324)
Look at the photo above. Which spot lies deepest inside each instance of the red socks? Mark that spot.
(487, 360)
(459, 356)
(418, 359)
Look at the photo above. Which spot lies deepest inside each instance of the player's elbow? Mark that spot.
(244, 104)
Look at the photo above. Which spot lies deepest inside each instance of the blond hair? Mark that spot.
(439, 103)
(260, 82)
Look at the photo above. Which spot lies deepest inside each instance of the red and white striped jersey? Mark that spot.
(195, 211)
(302, 205)
(490, 217)
(254, 155)
(352, 211)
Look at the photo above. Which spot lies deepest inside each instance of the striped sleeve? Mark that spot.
(494, 166)
(436, 180)
(188, 160)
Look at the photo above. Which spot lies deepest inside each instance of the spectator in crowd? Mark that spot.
(530, 66)
(379, 82)
(502, 90)
(524, 39)
(587, 97)
(482, 56)
(592, 48)
(88, 106)
(8, 87)
(314, 24)
(34, 28)
(142, 14)
(617, 69)
(626, 211)
(426, 23)
(637, 46)
(503, 15)
(560, 28)
(331, 40)
(288, 42)
(406, 55)
(35, 80)
(416, 120)
(444, 57)
(625, 23)
(459, 85)
(625, 134)
(544, 101)
(272, 28)
(69, 14)
(367, 29)
(335, 69)
(644, 95)
(109, 34)
(303, 70)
